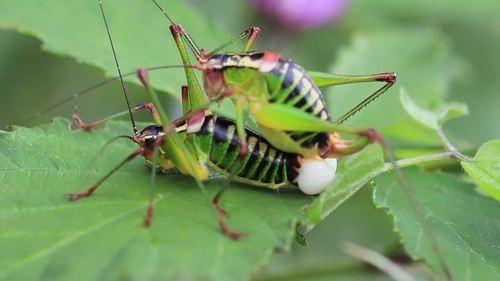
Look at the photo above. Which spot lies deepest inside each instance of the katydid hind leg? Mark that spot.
(197, 95)
(365, 102)
(327, 80)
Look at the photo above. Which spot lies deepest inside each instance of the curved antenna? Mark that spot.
(96, 86)
(124, 90)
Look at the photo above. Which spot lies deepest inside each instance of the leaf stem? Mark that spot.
(377, 260)
(415, 161)
(450, 147)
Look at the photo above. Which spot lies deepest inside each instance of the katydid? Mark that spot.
(281, 96)
(211, 143)
(307, 132)
(215, 145)
(286, 103)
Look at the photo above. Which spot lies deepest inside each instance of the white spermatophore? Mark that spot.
(316, 174)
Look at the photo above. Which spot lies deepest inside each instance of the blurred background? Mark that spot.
(444, 50)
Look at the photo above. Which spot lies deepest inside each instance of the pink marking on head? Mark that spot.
(195, 122)
(269, 61)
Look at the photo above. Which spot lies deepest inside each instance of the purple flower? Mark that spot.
(301, 14)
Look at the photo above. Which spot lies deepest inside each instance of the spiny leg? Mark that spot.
(197, 97)
(327, 80)
(283, 117)
(366, 101)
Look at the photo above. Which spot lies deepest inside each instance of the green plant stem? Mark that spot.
(450, 147)
(377, 260)
(415, 161)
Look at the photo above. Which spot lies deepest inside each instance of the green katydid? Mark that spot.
(366, 135)
(285, 101)
(283, 98)
(211, 143)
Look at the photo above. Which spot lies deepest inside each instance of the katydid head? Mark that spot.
(149, 136)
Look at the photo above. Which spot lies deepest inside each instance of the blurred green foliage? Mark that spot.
(444, 50)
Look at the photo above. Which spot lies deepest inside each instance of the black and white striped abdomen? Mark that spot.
(290, 84)
(263, 164)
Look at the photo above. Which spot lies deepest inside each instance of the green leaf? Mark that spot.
(485, 168)
(464, 23)
(323, 254)
(353, 173)
(432, 119)
(43, 236)
(423, 66)
(464, 224)
(139, 31)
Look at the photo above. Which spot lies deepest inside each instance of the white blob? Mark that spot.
(316, 174)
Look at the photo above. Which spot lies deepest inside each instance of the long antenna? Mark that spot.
(96, 86)
(136, 131)
(163, 11)
(194, 47)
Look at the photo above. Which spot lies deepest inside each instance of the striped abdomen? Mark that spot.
(263, 164)
(289, 84)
